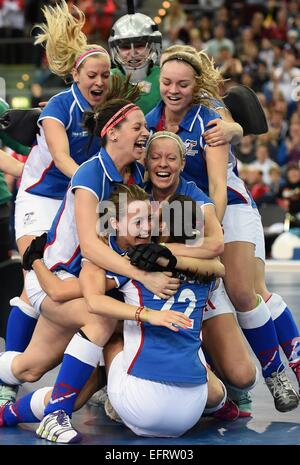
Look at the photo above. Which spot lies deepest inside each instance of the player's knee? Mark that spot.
(242, 376)
(216, 392)
(243, 299)
(32, 374)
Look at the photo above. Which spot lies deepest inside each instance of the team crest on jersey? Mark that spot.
(145, 86)
(80, 134)
(28, 218)
(190, 147)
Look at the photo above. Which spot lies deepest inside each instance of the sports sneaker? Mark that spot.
(283, 392)
(295, 366)
(8, 393)
(98, 398)
(110, 412)
(56, 427)
(243, 400)
(228, 412)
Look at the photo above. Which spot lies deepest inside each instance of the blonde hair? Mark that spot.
(208, 78)
(167, 135)
(63, 38)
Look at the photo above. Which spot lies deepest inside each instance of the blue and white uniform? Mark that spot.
(218, 302)
(241, 220)
(157, 384)
(62, 253)
(43, 186)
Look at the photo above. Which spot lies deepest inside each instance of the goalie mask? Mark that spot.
(135, 45)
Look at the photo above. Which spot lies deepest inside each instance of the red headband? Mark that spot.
(87, 53)
(111, 123)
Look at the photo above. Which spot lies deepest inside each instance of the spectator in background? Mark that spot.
(289, 149)
(205, 28)
(230, 67)
(293, 12)
(12, 23)
(277, 123)
(263, 162)
(261, 75)
(219, 41)
(174, 21)
(266, 52)
(245, 150)
(256, 185)
(283, 75)
(278, 26)
(275, 184)
(246, 39)
(290, 192)
(257, 26)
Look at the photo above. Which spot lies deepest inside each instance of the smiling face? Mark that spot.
(92, 78)
(164, 163)
(134, 53)
(177, 83)
(131, 135)
(134, 225)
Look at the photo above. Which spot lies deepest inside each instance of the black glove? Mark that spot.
(34, 251)
(20, 125)
(145, 256)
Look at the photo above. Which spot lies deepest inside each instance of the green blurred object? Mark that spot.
(7, 140)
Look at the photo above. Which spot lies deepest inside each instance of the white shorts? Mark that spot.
(218, 303)
(34, 214)
(34, 291)
(243, 223)
(154, 409)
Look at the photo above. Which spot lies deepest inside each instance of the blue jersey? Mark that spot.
(40, 175)
(191, 130)
(154, 352)
(97, 175)
(190, 189)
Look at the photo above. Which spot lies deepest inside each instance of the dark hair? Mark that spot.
(120, 94)
(116, 207)
(185, 218)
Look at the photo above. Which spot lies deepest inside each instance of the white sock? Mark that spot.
(37, 402)
(276, 305)
(6, 374)
(24, 307)
(217, 407)
(254, 318)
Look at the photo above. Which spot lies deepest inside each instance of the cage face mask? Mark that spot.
(135, 45)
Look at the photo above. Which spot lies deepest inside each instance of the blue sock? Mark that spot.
(20, 327)
(28, 409)
(259, 330)
(19, 412)
(286, 329)
(80, 358)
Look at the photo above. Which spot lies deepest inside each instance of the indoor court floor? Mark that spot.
(266, 427)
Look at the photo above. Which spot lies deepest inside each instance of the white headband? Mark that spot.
(88, 53)
(167, 135)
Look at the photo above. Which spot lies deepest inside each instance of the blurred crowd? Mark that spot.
(255, 43)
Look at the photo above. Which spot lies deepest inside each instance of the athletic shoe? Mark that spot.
(295, 366)
(2, 409)
(283, 392)
(8, 393)
(56, 427)
(229, 411)
(98, 398)
(111, 413)
(243, 400)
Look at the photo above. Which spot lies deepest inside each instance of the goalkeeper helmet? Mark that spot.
(135, 45)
